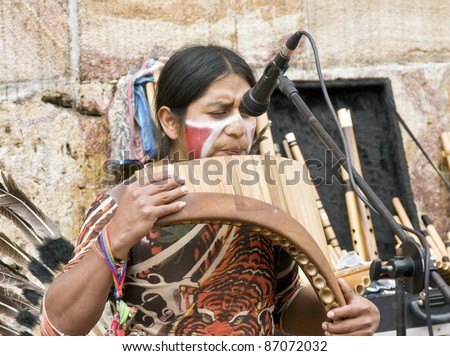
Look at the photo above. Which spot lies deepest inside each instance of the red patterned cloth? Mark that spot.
(201, 279)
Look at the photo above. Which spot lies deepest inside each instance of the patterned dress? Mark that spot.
(201, 279)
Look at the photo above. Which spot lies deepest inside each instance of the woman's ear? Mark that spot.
(169, 123)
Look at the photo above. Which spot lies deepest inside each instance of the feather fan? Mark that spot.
(23, 277)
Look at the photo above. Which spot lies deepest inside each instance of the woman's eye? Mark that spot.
(218, 114)
(244, 115)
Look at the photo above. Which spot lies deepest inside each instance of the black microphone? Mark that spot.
(256, 101)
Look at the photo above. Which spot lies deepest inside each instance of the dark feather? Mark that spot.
(33, 296)
(10, 249)
(25, 333)
(11, 280)
(15, 308)
(13, 199)
(40, 271)
(22, 225)
(6, 330)
(27, 319)
(29, 294)
(25, 261)
(12, 276)
(16, 302)
(7, 307)
(259, 137)
(55, 253)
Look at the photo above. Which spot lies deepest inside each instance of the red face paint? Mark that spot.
(195, 138)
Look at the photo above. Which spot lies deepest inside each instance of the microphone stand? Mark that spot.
(410, 267)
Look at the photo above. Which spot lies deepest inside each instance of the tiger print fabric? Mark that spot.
(201, 279)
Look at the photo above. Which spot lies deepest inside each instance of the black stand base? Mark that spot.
(413, 312)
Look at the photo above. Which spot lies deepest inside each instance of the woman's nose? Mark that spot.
(235, 128)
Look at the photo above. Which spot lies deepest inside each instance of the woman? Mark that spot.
(203, 279)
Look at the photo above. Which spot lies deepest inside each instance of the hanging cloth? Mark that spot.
(132, 128)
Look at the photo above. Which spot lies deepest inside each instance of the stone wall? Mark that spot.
(60, 60)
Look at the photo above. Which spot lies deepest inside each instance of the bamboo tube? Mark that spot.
(358, 241)
(296, 154)
(294, 147)
(365, 216)
(357, 277)
(266, 146)
(434, 250)
(405, 221)
(445, 139)
(151, 96)
(353, 219)
(434, 235)
(397, 240)
(287, 149)
(328, 229)
(277, 149)
(444, 270)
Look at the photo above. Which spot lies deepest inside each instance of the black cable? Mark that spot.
(390, 103)
(333, 113)
(435, 318)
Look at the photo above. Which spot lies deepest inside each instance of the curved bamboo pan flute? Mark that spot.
(271, 195)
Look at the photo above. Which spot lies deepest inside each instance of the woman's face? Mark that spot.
(214, 126)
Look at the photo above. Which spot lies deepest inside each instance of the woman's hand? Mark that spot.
(141, 204)
(359, 317)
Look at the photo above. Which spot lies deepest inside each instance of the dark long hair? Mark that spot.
(187, 75)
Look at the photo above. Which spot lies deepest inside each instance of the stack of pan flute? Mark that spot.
(360, 221)
(357, 277)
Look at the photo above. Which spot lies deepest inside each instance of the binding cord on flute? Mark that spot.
(414, 264)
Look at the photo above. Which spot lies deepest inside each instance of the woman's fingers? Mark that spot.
(359, 317)
(163, 197)
(163, 210)
(140, 206)
(163, 186)
(146, 177)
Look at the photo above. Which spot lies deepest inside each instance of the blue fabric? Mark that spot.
(142, 114)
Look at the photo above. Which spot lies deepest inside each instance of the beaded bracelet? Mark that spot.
(118, 269)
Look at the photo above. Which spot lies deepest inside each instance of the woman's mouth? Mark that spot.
(233, 151)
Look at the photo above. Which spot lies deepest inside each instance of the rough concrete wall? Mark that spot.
(55, 148)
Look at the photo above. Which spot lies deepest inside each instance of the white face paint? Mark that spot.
(200, 136)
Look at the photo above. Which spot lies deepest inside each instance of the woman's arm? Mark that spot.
(75, 300)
